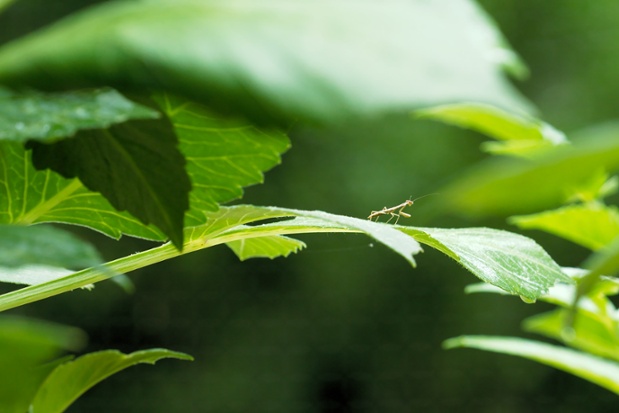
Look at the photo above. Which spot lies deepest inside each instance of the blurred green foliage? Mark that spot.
(351, 328)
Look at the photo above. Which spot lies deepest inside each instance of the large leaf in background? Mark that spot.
(25, 348)
(587, 333)
(223, 155)
(593, 323)
(136, 165)
(240, 153)
(70, 380)
(517, 134)
(40, 253)
(44, 245)
(48, 117)
(602, 262)
(5, 3)
(277, 60)
(591, 225)
(603, 372)
(516, 186)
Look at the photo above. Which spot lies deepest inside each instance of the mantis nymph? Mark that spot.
(396, 211)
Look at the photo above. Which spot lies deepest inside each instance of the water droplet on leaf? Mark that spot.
(528, 300)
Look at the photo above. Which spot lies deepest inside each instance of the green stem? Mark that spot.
(85, 277)
(130, 263)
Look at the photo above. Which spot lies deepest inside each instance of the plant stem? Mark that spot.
(133, 262)
(88, 276)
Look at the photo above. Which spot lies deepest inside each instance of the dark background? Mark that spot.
(344, 326)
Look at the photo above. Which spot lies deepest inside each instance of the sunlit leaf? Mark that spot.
(223, 155)
(70, 380)
(601, 263)
(591, 225)
(136, 165)
(49, 117)
(587, 333)
(512, 262)
(29, 196)
(26, 349)
(276, 60)
(265, 247)
(516, 186)
(603, 372)
(518, 134)
(5, 3)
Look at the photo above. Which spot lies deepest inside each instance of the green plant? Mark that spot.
(208, 87)
(575, 179)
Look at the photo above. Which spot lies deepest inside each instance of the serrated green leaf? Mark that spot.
(516, 186)
(49, 117)
(512, 262)
(240, 153)
(603, 372)
(223, 155)
(46, 245)
(591, 225)
(265, 247)
(587, 333)
(519, 134)
(26, 348)
(70, 380)
(28, 196)
(135, 165)
(275, 60)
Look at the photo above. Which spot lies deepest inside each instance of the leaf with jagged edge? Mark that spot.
(265, 247)
(240, 154)
(512, 262)
(277, 61)
(28, 196)
(70, 380)
(600, 371)
(136, 165)
(223, 155)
